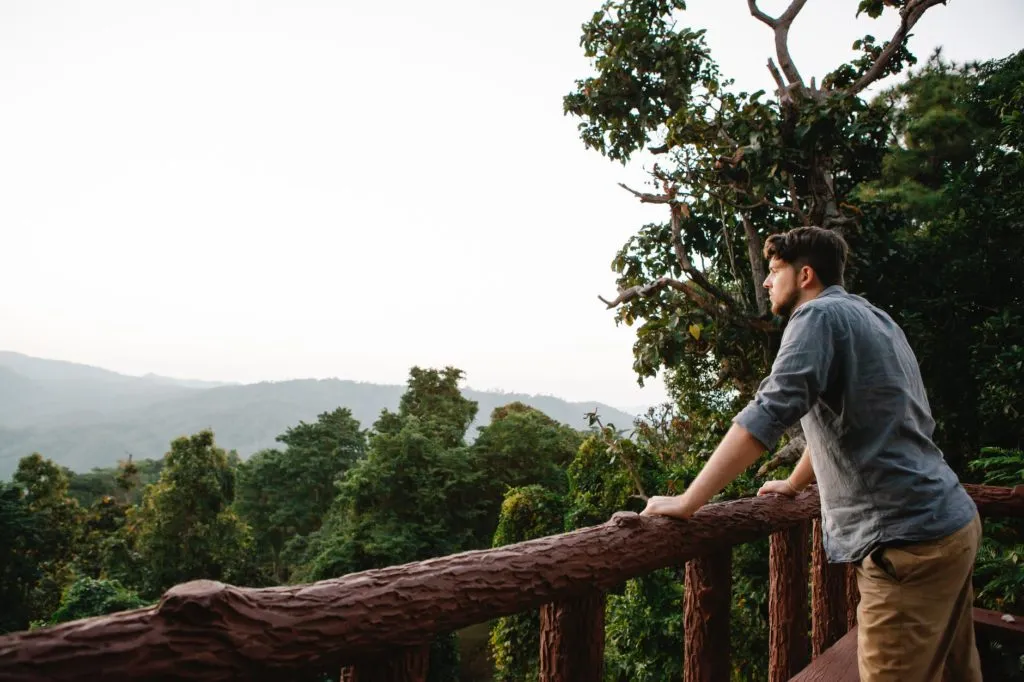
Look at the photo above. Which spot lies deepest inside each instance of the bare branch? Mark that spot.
(780, 26)
(761, 16)
(648, 198)
(756, 257)
(789, 454)
(689, 290)
(646, 290)
(909, 15)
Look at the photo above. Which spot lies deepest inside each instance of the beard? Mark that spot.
(785, 307)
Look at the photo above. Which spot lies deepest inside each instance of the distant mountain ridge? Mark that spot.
(83, 417)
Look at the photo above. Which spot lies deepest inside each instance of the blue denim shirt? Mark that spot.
(846, 371)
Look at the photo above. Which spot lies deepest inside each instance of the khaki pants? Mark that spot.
(914, 621)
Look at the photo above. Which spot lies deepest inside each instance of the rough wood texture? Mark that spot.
(788, 568)
(997, 501)
(210, 631)
(706, 602)
(838, 664)
(828, 597)
(572, 639)
(999, 626)
(405, 665)
(852, 596)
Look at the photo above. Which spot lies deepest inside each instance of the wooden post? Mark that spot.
(852, 597)
(409, 664)
(788, 567)
(706, 602)
(572, 639)
(828, 597)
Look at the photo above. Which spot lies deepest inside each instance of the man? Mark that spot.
(889, 501)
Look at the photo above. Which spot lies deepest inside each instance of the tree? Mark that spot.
(44, 489)
(284, 495)
(22, 539)
(521, 446)
(731, 167)
(434, 398)
(88, 597)
(414, 496)
(953, 173)
(185, 527)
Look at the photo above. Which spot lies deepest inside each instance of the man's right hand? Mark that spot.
(781, 487)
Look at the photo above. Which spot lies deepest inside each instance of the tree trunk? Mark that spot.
(852, 597)
(788, 567)
(572, 639)
(828, 597)
(706, 601)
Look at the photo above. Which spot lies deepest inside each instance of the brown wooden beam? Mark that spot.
(572, 639)
(206, 630)
(706, 601)
(828, 597)
(788, 573)
(209, 631)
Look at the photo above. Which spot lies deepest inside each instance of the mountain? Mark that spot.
(84, 417)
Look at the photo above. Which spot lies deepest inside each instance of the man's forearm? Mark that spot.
(737, 451)
(803, 472)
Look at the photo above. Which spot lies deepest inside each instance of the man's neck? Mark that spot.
(808, 294)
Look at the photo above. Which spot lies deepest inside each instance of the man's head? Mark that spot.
(801, 263)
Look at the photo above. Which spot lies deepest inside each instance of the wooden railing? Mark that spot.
(376, 625)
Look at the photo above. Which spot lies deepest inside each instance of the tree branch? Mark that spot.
(689, 290)
(780, 26)
(758, 14)
(909, 15)
(789, 454)
(754, 253)
(687, 266)
(774, 70)
(648, 198)
(647, 290)
(795, 200)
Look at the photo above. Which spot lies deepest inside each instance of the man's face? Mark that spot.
(781, 283)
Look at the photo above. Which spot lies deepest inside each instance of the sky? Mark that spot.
(268, 190)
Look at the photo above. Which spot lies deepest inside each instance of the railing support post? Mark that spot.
(788, 568)
(852, 597)
(706, 601)
(408, 664)
(828, 597)
(572, 639)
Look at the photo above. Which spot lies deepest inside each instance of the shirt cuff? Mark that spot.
(761, 424)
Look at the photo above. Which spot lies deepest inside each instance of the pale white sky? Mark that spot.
(254, 190)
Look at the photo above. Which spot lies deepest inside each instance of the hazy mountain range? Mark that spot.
(84, 417)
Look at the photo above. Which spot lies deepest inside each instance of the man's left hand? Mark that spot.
(675, 507)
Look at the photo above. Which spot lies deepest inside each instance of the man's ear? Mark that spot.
(805, 277)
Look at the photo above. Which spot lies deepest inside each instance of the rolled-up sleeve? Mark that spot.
(799, 375)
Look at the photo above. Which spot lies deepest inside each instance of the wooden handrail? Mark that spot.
(206, 630)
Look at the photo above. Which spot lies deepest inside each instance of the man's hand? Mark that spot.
(675, 507)
(783, 487)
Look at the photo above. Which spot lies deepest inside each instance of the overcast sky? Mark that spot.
(262, 190)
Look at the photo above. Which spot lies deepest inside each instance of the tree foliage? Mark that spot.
(284, 495)
(185, 527)
(88, 597)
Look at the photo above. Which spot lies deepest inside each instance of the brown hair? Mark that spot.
(824, 250)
